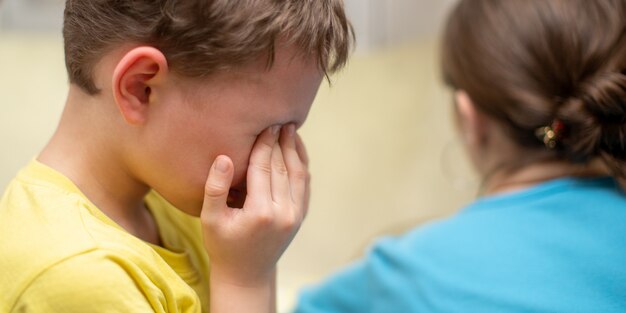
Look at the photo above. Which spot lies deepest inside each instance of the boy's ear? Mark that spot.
(134, 79)
(473, 125)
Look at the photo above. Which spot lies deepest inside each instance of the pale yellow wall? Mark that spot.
(33, 87)
(376, 140)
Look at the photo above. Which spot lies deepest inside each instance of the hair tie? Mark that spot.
(550, 135)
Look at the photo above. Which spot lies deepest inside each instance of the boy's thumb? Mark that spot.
(218, 183)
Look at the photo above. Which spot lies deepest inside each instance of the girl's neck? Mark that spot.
(506, 180)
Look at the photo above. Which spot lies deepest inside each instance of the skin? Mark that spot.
(150, 128)
(490, 150)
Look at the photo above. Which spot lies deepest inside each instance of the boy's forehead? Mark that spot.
(288, 63)
(289, 77)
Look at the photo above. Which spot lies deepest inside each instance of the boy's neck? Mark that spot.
(82, 149)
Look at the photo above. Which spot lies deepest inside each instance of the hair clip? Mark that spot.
(550, 135)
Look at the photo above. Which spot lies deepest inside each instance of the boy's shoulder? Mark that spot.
(40, 227)
(40, 222)
(91, 281)
(52, 237)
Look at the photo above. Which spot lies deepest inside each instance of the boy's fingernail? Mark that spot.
(221, 165)
(291, 129)
(275, 129)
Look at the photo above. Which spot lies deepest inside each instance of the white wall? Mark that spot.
(380, 23)
(32, 15)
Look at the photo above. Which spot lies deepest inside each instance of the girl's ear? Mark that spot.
(472, 124)
(134, 79)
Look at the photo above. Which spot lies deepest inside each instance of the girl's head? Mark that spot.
(524, 65)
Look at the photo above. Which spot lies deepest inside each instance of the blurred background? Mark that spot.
(384, 156)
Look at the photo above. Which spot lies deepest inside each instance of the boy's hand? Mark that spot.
(244, 244)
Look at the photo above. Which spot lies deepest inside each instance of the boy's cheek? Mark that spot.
(241, 173)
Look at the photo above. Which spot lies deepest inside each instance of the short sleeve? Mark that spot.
(85, 284)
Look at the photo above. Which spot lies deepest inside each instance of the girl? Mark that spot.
(540, 89)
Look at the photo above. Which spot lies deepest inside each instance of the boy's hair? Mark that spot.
(200, 37)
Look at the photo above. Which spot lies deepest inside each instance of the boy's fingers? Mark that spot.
(281, 192)
(260, 168)
(305, 160)
(218, 184)
(298, 173)
(304, 157)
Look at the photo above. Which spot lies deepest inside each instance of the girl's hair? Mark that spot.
(529, 63)
(200, 37)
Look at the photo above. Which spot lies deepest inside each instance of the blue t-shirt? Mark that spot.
(557, 247)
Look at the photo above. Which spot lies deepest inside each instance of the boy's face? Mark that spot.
(190, 123)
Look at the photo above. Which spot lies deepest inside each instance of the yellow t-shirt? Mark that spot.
(60, 253)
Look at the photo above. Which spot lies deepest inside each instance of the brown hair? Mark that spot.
(528, 63)
(200, 37)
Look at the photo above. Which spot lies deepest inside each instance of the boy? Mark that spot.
(185, 104)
